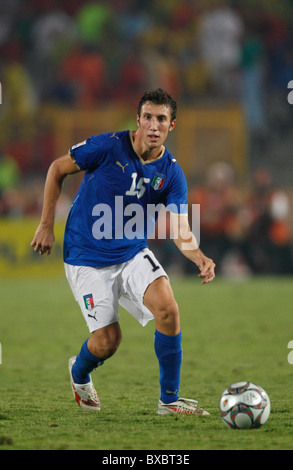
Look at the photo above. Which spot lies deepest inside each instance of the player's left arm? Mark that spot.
(186, 241)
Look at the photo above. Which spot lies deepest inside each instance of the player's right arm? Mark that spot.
(58, 170)
(185, 240)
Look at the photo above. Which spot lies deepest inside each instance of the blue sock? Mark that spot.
(169, 354)
(85, 363)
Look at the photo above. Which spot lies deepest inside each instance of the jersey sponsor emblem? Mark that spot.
(158, 181)
(88, 301)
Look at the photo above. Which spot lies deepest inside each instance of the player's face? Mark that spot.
(155, 124)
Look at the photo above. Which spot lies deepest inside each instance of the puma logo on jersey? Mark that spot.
(114, 135)
(120, 164)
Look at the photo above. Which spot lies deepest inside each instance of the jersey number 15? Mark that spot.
(139, 188)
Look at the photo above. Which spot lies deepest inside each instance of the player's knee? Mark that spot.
(168, 313)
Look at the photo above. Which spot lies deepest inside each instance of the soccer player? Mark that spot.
(108, 263)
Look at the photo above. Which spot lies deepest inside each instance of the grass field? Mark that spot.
(232, 331)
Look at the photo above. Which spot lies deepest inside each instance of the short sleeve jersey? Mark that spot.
(117, 204)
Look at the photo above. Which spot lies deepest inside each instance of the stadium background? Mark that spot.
(73, 68)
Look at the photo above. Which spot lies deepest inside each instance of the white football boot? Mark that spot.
(181, 406)
(85, 394)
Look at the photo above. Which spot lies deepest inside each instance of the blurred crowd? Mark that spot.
(82, 54)
(79, 53)
(245, 229)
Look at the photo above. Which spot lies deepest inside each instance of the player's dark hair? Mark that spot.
(159, 97)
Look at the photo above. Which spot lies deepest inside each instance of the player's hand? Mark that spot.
(43, 240)
(207, 270)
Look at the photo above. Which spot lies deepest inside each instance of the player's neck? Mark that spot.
(142, 150)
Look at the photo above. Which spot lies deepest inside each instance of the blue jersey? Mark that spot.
(116, 207)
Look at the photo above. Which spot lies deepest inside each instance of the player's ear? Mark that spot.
(138, 120)
(172, 125)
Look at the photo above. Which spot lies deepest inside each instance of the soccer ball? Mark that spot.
(244, 405)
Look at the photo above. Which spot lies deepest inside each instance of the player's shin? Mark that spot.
(169, 353)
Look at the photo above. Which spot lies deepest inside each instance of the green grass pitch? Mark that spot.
(232, 331)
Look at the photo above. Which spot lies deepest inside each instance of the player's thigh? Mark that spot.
(96, 291)
(136, 277)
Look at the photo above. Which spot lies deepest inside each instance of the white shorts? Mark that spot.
(98, 291)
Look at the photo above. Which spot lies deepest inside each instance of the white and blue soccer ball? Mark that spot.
(244, 405)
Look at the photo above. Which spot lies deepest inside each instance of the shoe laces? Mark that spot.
(87, 392)
(188, 402)
(92, 395)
